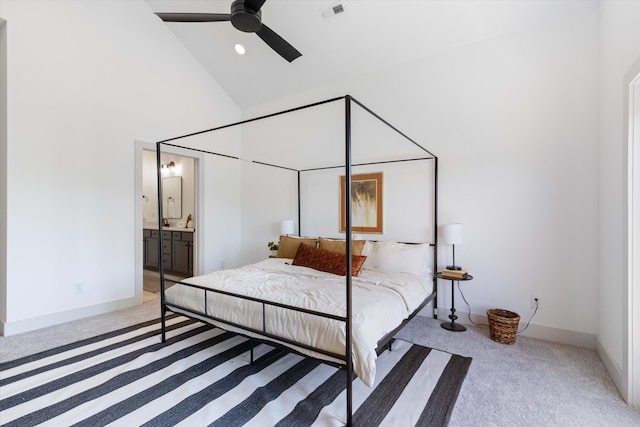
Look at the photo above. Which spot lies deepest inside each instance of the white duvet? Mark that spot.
(380, 302)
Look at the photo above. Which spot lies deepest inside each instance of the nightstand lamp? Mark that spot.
(452, 235)
(287, 227)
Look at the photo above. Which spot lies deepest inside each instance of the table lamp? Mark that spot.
(452, 235)
(287, 227)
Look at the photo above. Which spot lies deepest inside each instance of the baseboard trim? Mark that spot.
(615, 371)
(546, 333)
(33, 323)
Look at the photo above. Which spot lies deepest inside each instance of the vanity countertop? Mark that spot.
(155, 227)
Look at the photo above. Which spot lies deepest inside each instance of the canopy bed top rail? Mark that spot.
(254, 119)
(199, 150)
(367, 109)
(347, 98)
(303, 107)
(367, 164)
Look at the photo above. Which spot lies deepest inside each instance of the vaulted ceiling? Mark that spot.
(367, 37)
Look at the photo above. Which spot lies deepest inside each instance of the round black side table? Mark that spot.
(453, 326)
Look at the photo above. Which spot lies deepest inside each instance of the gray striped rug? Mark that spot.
(202, 376)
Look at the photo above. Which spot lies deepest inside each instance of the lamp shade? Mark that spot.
(287, 227)
(452, 234)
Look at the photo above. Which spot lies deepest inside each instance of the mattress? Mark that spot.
(381, 300)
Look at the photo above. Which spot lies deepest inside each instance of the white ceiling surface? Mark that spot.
(368, 36)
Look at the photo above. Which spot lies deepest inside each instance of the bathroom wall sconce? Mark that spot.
(168, 168)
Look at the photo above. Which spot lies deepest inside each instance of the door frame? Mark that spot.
(3, 175)
(632, 353)
(140, 147)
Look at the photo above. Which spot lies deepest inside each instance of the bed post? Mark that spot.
(163, 309)
(347, 196)
(299, 216)
(435, 236)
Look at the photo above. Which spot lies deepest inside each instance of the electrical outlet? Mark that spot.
(78, 287)
(535, 302)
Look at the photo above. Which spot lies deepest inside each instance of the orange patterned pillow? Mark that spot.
(327, 261)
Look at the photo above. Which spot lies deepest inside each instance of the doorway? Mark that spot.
(179, 206)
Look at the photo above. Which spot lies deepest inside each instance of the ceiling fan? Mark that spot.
(245, 16)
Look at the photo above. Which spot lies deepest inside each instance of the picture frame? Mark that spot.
(366, 203)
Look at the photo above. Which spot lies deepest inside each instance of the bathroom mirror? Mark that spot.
(172, 197)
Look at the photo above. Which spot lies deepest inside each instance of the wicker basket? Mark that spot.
(503, 325)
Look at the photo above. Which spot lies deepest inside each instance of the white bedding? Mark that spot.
(381, 301)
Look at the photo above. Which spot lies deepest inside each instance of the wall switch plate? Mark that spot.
(78, 287)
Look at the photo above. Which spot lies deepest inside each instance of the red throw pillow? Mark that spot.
(327, 261)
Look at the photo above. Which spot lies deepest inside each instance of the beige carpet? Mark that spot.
(530, 383)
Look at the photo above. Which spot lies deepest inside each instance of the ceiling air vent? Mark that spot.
(332, 11)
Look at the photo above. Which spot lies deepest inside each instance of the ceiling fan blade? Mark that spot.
(194, 17)
(277, 43)
(254, 5)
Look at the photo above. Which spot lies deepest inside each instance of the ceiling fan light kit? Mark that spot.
(239, 49)
(245, 16)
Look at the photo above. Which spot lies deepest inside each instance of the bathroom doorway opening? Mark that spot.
(179, 207)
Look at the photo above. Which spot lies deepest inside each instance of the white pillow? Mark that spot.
(398, 257)
(368, 249)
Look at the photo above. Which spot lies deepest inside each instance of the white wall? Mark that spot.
(269, 195)
(85, 79)
(221, 215)
(619, 50)
(407, 192)
(514, 121)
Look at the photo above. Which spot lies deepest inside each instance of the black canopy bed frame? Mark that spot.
(346, 359)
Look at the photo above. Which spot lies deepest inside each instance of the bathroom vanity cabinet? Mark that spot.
(177, 251)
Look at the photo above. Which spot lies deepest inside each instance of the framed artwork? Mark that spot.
(366, 203)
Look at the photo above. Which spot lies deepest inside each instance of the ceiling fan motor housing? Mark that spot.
(245, 19)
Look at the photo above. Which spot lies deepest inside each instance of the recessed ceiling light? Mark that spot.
(239, 48)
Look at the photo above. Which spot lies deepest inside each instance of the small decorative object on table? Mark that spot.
(454, 274)
(189, 221)
(273, 247)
